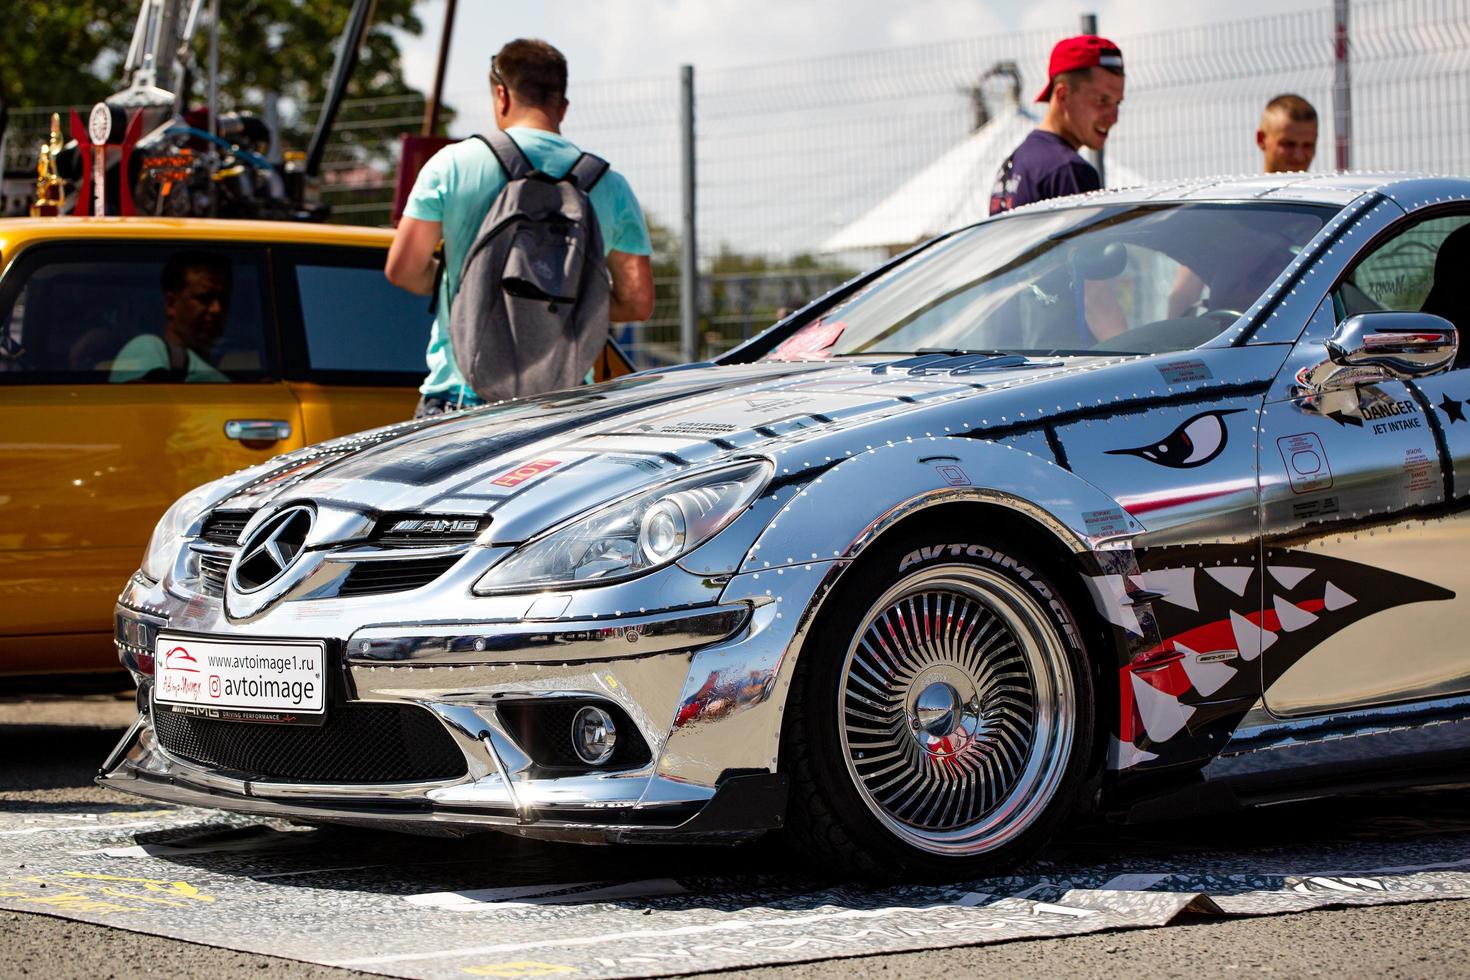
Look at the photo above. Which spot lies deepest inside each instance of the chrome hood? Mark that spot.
(533, 462)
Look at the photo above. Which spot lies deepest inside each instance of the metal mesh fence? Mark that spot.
(795, 158)
(360, 165)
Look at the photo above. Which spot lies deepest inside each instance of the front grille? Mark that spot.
(426, 530)
(212, 571)
(224, 526)
(375, 577)
(358, 743)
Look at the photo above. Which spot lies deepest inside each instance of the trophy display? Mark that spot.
(50, 189)
(112, 132)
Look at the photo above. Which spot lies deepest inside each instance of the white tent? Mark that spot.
(951, 192)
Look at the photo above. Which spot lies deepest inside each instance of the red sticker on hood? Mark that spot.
(811, 342)
(521, 474)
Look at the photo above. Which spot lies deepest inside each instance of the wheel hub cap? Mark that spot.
(937, 710)
(948, 711)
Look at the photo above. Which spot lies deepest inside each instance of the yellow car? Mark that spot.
(142, 357)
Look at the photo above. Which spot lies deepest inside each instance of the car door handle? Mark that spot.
(258, 430)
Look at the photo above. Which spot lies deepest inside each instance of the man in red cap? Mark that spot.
(1083, 90)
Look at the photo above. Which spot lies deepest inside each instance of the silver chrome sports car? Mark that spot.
(1144, 502)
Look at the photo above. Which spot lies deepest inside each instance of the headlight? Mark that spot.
(631, 536)
(172, 528)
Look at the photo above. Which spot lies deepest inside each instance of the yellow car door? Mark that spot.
(130, 372)
(354, 342)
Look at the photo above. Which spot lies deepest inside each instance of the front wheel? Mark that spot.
(942, 714)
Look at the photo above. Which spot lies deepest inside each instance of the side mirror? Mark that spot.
(1407, 345)
(1373, 347)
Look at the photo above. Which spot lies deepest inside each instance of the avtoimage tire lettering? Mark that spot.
(941, 721)
(1005, 561)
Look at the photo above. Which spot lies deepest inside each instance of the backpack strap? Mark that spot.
(587, 171)
(178, 360)
(511, 157)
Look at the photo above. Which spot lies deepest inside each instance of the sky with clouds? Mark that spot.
(862, 123)
(611, 39)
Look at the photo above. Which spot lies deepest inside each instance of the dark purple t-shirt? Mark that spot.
(1042, 167)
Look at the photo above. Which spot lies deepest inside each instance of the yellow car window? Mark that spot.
(98, 314)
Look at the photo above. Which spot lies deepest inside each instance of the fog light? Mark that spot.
(594, 736)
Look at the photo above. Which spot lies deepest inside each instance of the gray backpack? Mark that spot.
(531, 314)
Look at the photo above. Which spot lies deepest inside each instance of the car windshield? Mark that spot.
(1135, 278)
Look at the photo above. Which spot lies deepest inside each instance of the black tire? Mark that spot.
(907, 677)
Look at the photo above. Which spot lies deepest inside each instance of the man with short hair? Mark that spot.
(196, 304)
(1288, 134)
(454, 192)
(1288, 140)
(1083, 92)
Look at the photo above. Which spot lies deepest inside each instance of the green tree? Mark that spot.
(48, 51)
(71, 53)
(287, 47)
(744, 294)
(740, 294)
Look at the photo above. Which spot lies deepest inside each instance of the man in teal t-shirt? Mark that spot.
(455, 189)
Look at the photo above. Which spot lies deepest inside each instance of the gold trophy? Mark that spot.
(50, 190)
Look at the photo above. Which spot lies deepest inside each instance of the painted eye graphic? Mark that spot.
(1194, 443)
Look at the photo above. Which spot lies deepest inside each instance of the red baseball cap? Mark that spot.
(1076, 53)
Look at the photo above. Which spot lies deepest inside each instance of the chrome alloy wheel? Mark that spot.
(956, 709)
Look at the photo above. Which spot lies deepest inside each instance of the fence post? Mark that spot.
(689, 253)
(431, 108)
(1342, 92)
(213, 124)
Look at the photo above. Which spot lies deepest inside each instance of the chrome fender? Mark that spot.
(840, 512)
(731, 709)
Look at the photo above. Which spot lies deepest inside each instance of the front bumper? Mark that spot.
(742, 806)
(703, 684)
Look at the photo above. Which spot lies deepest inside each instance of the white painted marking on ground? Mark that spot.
(1132, 882)
(968, 900)
(1041, 907)
(524, 896)
(322, 871)
(1406, 869)
(96, 828)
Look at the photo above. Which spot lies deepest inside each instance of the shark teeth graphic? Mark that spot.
(1292, 616)
(1233, 577)
(1163, 716)
(1176, 584)
(1207, 678)
(1335, 599)
(1126, 755)
(1250, 639)
(1310, 598)
(1115, 602)
(1290, 576)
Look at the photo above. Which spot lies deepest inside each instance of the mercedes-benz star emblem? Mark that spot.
(271, 549)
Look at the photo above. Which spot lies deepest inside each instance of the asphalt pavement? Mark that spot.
(55, 743)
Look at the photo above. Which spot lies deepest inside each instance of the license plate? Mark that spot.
(280, 682)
